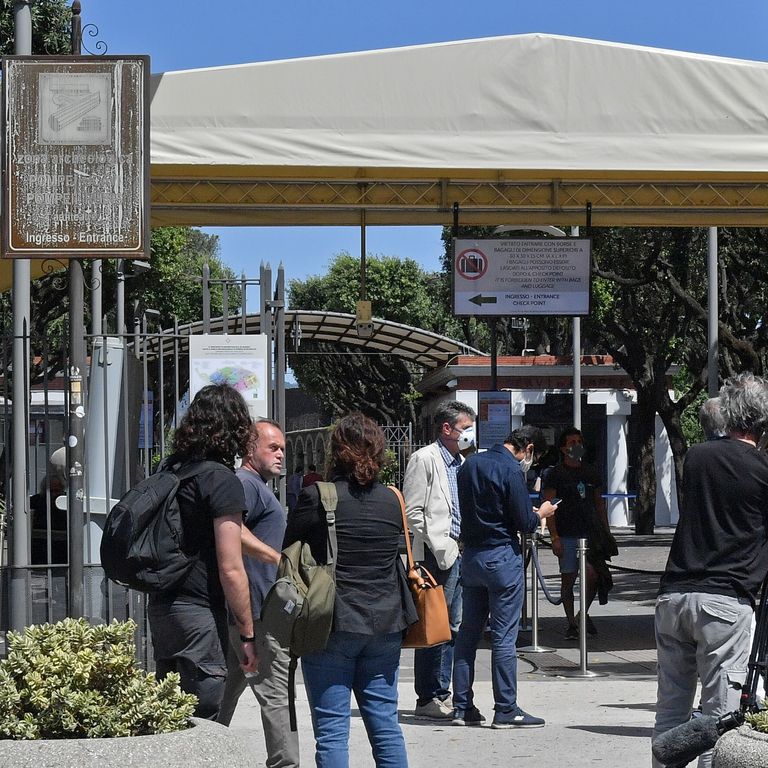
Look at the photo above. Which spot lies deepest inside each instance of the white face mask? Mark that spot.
(526, 463)
(466, 438)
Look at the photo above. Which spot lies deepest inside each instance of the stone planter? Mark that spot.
(741, 748)
(204, 744)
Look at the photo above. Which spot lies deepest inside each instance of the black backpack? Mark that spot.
(141, 546)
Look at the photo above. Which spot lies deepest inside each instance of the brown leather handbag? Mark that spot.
(433, 627)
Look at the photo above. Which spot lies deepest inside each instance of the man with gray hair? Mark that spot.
(718, 559)
(711, 419)
(432, 506)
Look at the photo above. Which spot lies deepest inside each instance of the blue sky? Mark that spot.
(186, 34)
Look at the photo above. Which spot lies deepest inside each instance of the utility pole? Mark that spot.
(20, 540)
(76, 402)
(713, 354)
(576, 361)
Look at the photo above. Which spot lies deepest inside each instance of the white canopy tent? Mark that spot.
(520, 129)
(529, 125)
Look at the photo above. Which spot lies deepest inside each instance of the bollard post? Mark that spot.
(583, 671)
(525, 624)
(534, 647)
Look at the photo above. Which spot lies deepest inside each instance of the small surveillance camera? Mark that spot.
(365, 330)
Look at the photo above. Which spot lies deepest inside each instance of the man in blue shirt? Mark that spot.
(262, 538)
(495, 507)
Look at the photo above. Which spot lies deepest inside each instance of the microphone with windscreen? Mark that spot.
(678, 746)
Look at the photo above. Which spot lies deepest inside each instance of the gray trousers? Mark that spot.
(700, 637)
(270, 686)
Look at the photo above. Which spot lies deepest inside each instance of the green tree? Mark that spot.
(343, 377)
(51, 25)
(173, 285)
(652, 313)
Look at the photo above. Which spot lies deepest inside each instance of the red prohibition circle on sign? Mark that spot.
(472, 264)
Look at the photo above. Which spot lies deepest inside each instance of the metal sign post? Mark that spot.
(75, 186)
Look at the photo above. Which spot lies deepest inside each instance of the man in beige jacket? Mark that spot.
(434, 517)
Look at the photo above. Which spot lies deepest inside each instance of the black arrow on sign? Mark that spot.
(480, 299)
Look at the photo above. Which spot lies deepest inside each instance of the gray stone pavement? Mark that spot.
(602, 721)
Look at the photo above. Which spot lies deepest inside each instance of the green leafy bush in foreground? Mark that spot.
(71, 680)
(758, 720)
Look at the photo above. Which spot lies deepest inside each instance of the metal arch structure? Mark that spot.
(484, 199)
(424, 348)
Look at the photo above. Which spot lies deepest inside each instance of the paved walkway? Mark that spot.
(597, 721)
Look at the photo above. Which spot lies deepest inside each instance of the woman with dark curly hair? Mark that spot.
(189, 623)
(363, 650)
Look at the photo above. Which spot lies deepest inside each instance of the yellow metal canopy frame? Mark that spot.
(338, 197)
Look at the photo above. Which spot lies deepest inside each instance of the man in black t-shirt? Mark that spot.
(581, 507)
(718, 559)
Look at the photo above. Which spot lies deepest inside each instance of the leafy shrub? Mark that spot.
(71, 680)
(389, 473)
(758, 720)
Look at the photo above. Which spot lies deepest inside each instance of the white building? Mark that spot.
(540, 393)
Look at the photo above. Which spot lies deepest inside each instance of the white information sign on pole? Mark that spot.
(493, 418)
(239, 361)
(522, 276)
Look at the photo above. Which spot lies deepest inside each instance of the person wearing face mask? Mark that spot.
(496, 507)
(582, 507)
(434, 517)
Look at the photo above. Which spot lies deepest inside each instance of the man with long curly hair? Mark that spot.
(189, 623)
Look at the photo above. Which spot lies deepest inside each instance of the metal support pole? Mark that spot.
(225, 308)
(20, 532)
(713, 354)
(583, 671)
(265, 291)
(534, 647)
(363, 295)
(76, 441)
(280, 364)
(77, 404)
(494, 356)
(206, 298)
(243, 304)
(576, 361)
(96, 292)
(120, 299)
(525, 624)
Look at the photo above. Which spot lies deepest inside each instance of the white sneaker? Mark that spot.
(433, 710)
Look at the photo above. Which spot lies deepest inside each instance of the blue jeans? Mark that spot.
(367, 665)
(432, 667)
(492, 580)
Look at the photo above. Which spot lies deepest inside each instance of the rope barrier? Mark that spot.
(542, 582)
(612, 566)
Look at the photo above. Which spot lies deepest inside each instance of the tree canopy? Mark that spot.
(51, 25)
(343, 378)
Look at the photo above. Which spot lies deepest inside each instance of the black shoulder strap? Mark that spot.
(293, 663)
(192, 468)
